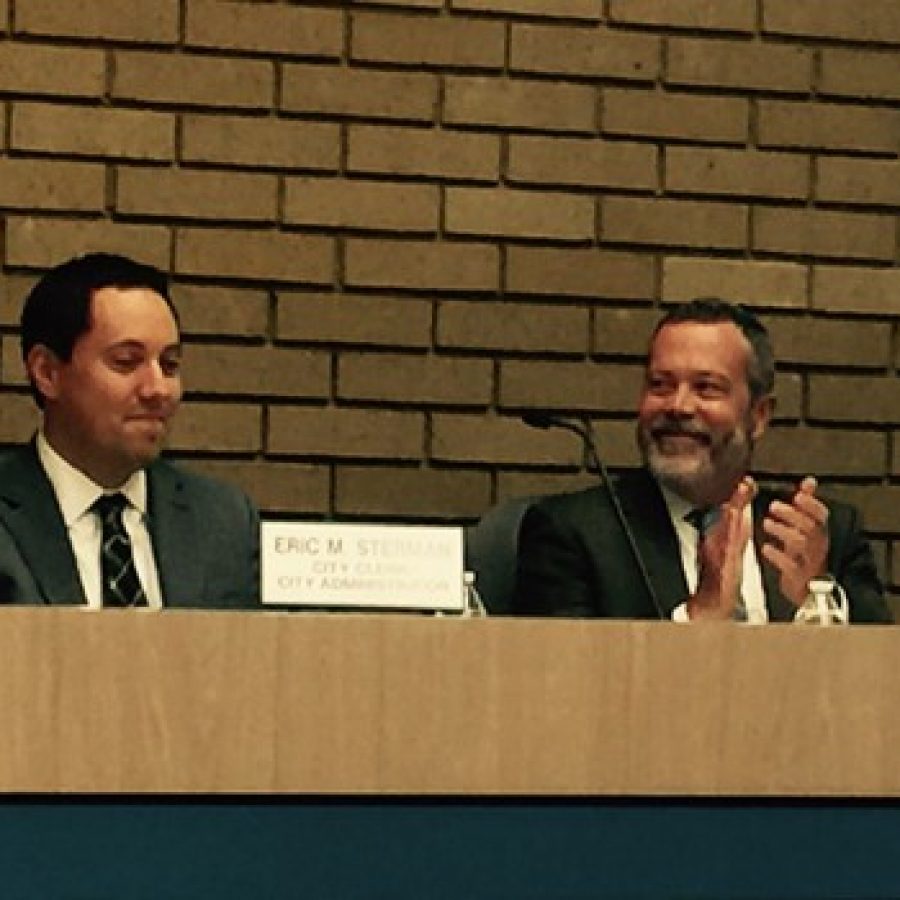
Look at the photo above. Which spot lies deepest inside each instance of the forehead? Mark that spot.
(137, 313)
(701, 347)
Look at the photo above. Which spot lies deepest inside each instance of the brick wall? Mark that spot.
(393, 225)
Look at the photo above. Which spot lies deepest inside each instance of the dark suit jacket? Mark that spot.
(574, 559)
(205, 537)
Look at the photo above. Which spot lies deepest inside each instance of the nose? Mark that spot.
(156, 384)
(682, 401)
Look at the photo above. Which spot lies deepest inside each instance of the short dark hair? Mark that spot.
(711, 310)
(57, 311)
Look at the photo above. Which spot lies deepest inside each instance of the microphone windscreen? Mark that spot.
(539, 418)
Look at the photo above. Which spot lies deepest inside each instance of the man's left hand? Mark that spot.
(798, 539)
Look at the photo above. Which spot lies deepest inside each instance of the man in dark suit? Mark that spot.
(709, 544)
(89, 514)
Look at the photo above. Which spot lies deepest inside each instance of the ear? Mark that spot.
(43, 367)
(760, 415)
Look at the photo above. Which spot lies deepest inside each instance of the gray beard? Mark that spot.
(705, 478)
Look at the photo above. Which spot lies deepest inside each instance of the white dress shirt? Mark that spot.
(753, 593)
(76, 494)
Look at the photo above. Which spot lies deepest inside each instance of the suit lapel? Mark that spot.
(31, 514)
(648, 517)
(174, 533)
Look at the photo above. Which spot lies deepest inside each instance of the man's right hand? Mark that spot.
(720, 557)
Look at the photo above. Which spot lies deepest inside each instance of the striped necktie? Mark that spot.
(121, 585)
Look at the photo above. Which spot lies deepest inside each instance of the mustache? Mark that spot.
(669, 426)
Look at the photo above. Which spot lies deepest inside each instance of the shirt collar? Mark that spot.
(75, 492)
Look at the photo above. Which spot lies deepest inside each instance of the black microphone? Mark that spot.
(542, 418)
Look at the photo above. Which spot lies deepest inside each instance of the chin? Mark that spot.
(688, 476)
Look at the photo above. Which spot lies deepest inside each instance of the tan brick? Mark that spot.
(336, 319)
(42, 243)
(503, 212)
(739, 64)
(514, 327)
(407, 492)
(256, 371)
(590, 52)
(426, 152)
(820, 233)
(569, 385)
(566, 9)
(339, 91)
(856, 290)
(534, 484)
(422, 265)
(106, 20)
(831, 126)
(742, 173)
(500, 440)
(269, 143)
(832, 342)
(342, 433)
(873, 182)
(12, 292)
(340, 203)
(195, 80)
(789, 393)
(264, 28)
(196, 194)
(875, 20)
(682, 223)
(46, 184)
(860, 73)
(405, 4)
(878, 504)
(414, 379)
(579, 272)
(221, 311)
(753, 282)
(873, 400)
(591, 162)
(275, 487)
(268, 255)
(800, 451)
(19, 417)
(722, 15)
(520, 104)
(217, 428)
(59, 71)
(12, 369)
(427, 41)
(84, 131)
(684, 116)
(623, 332)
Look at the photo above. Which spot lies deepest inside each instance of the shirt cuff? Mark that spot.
(680, 613)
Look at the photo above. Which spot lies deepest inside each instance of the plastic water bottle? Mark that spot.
(826, 604)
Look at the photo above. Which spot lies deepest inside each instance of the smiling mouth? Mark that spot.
(679, 441)
(154, 421)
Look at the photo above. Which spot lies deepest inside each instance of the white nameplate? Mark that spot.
(362, 566)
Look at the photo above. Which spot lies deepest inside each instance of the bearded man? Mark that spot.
(707, 544)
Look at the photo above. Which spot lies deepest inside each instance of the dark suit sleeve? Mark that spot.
(851, 562)
(241, 589)
(553, 576)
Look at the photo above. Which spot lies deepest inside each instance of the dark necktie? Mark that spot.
(121, 585)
